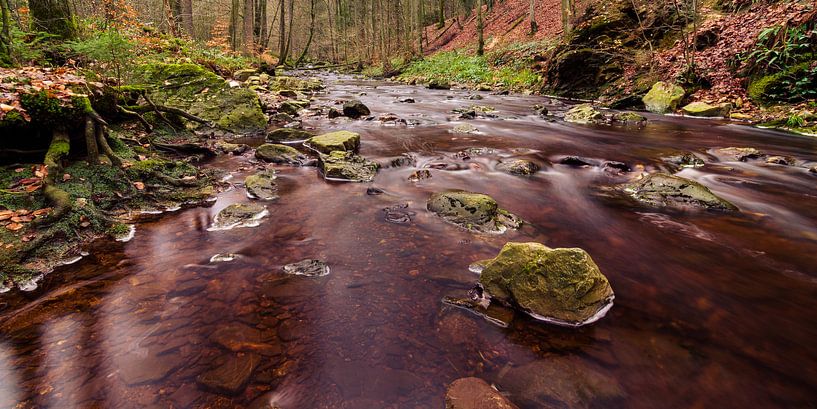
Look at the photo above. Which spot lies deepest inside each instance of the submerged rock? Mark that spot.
(261, 186)
(347, 166)
(474, 393)
(231, 148)
(684, 160)
(465, 128)
(781, 160)
(281, 154)
(309, 268)
(290, 108)
(239, 215)
(663, 97)
(230, 377)
(663, 190)
(518, 167)
(561, 286)
(334, 141)
(288, 135)
(741, 154)
(584, 114)
(404, 160)
(355, 109)
(577, 161)
(628, 118)
(419, 175)
(562, 382)
(475, 212)
(703, 109)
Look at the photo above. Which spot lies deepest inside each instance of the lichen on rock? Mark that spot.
(663, 97)
(663, 190)
(334, 141)
(475, 212)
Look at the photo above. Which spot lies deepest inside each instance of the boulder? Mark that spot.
(334, 113)
(663, 190)
(295, 84)
(334, 141)
(261, 186)
(355, 109)
(239, 215)
(438, 84)
(703, 109)
(663, 97)
(288, 135)
(290, 108)
(232, 148)
(245, 74)
(628, 118)
(584, 114)
(347, 166)
(741, 154)
(518, 167)
(474, 393)
(561, 286)
(475, 212)
(200, 92)
(684, 160)
(562, 382)
(282, 154)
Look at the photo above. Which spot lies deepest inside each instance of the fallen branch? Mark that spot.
(170, 110)
(148, 127)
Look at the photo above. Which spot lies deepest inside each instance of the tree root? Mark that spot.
(60, 200)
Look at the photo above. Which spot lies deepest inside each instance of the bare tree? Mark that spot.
(187, 16)
(533, 26)
(248, 18)
(568, 11)
(480, 30)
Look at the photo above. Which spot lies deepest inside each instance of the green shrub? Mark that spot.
(796, 84)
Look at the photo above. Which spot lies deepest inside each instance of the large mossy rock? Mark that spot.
(584, 114)
(703, 109)
(475, 212)
(281, 154)
(284, 83)
(334, 141)
(562, 286)
(261, 186)
(663, 190)
(239, 215)
(288, 135)
(663, 97)
(346, 166)
(474, 393)
(518, 167)
(200, 92)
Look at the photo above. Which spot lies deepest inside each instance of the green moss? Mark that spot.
(335, 141)
(57, 150)
(759, 89)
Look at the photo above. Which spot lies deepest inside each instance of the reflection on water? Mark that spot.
(712, 310)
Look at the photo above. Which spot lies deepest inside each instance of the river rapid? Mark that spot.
(712, 309)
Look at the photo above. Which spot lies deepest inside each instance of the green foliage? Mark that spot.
(796, 84)
(795, 121)
(106, 52)
(469, 69)
(28, 48)
(778, 49)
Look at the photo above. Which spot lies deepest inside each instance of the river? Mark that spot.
(712, 309)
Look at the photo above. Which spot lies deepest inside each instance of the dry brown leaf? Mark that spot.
(14, 226)
(139, 185)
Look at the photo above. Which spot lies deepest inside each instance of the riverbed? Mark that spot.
(712, 309)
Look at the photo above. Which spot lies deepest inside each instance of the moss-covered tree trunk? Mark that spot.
(53, 17)
(5, 33)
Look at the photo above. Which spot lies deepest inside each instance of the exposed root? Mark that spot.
(60, 200)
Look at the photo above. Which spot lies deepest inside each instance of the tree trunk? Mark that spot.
(288, 45)
(282, 34)
(234, 22)
(441, 17)
(533, 26)
(53, 17)
(187, 17)
(5, 34)
(567, 17)
(311, 33)
(480, 30)
(90, 141)
(247, 46)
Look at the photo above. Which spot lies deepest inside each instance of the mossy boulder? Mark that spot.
(584, 114)
(244, 74)
(334, 141)
(518, 167)
(628, 118)
(742, 154)
(288, 135)
(239, 215)
(562, 286)
(663, 190)
(347, 166)
(261, 186)
(295, 84)
(475, 212)
(290, 108)
(192, 88)
(663, 97)
(281, 154)
(704, 109)
(439, 84)
(355, 109)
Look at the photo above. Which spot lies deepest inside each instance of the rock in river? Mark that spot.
(663, 98)
(288, 135)
(518, 167)
(584, 114)
(230, 377)
(261, 186)
(309, 268)
(741, 154)
(439, 84)
(703, 109)
(475, 212)
(561, 286)
(347, 166)
(334, 141)
(474, 393)
(355, 109)
(660, 189)
(239, 215)
(281, 154)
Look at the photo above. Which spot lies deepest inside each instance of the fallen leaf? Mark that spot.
(66, 177)
(19, 170)
(6, 108)
(14, 226)
(139, 185)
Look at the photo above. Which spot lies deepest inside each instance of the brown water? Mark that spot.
(711, 310)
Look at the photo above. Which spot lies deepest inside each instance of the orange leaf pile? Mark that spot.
(56, 82)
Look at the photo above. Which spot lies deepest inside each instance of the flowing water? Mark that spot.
(711, 309)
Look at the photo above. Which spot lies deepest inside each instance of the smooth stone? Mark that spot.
(288, 135)
(663, 190)
(231, 148)
(518, 167)
(562, 286)
(231, 377)
(475, 393)
(584, 114)
(239, 215)
(135, 369)
(663, 97)
(628, 118)
(309, 268)
(334, 141)
(439, 84)
(261, 186)
(703, 109)
(238, 337)
(290, 108)
(475, 212)
(347, 166)
(741, 154)
(355, 109)
(781, 160)
(281, 154)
